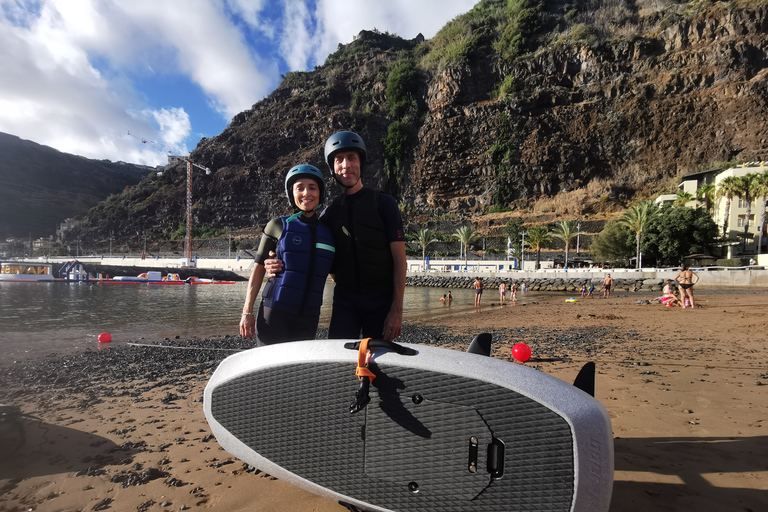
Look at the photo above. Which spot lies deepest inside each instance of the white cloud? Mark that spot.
(66, 69)
(249, 11)
(73, 73)
(296, 45)
(174, 128)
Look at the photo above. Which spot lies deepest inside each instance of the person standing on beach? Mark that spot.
(685, 281)
(290, 304)
(513, 291)
(370, 265)
(478, 286)
(503, 292)
(607, 285)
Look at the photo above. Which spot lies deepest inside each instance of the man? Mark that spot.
(607, 284)
(478, 286)
(370, 264)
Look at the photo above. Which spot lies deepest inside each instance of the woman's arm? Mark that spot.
(248, 318)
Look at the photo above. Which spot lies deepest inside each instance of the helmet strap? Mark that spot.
(303, 212)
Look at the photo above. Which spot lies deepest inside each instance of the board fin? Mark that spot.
(481, 344)
(585, 380)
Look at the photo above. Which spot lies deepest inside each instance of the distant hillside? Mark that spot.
(40, 186)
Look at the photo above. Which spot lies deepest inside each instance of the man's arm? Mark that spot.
(273, 266)
(393, 324)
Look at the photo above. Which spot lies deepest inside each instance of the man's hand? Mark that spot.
(273, 265)
(393, 325)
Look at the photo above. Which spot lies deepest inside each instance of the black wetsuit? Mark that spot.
(363, 226)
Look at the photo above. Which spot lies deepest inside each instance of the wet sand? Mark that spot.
(687, 392)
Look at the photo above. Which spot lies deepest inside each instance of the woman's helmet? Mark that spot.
(344, 141)
(303, 171)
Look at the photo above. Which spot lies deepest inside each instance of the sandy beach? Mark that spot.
(686, 389)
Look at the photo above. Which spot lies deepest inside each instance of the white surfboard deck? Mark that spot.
(445, 430)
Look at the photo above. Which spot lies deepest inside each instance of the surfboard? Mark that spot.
(443, 430)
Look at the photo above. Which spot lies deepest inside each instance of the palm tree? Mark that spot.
(565, 231)
(761, 193)
(537, 237)
(745, 189)
(424, 238)
(706, 193)
(636, 220)
(465, 235)
(726, 189)
(683, 198)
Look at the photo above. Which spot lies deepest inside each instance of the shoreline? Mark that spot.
(687, 392)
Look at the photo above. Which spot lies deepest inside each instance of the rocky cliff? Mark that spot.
(628, 94)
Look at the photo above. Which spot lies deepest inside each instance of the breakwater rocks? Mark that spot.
(549, 284)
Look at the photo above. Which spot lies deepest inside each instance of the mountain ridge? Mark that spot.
(41, 186)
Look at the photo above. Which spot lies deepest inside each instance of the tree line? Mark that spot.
(664, 234)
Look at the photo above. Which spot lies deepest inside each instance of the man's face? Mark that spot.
(346, 166)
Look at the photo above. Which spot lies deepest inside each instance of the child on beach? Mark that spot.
(583, 291)
(290, 305)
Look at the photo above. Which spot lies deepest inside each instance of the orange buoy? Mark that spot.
(105, 337)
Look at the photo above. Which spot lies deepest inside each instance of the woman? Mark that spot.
(685, 282)
(290, 305)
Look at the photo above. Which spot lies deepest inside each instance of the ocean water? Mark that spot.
(42, 318)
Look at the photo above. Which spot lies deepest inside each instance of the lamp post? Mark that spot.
(522, 253)
(188, 237)
(578, 234)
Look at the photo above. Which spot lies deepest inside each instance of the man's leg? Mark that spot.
(345, 321)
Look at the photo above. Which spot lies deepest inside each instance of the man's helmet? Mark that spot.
(303, 171)
(344, 141)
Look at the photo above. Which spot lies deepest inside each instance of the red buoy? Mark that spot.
(105, 337)
(521, 352)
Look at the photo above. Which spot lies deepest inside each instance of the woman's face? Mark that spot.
(306, 194)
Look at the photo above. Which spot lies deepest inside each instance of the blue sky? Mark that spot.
(79, 75)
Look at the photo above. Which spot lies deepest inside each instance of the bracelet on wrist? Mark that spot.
(247, 314)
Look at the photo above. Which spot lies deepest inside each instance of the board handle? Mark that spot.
(391, 345)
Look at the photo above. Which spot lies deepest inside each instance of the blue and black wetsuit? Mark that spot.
(290, 305)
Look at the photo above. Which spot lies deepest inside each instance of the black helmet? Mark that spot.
(303, 171)
(344, 141)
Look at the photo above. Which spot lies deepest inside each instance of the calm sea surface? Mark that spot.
(42, 318)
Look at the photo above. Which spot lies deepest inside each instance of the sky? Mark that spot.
(135, 80)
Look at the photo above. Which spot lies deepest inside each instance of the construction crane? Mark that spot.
(190, 164)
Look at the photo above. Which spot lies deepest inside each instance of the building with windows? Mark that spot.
(737, 217)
